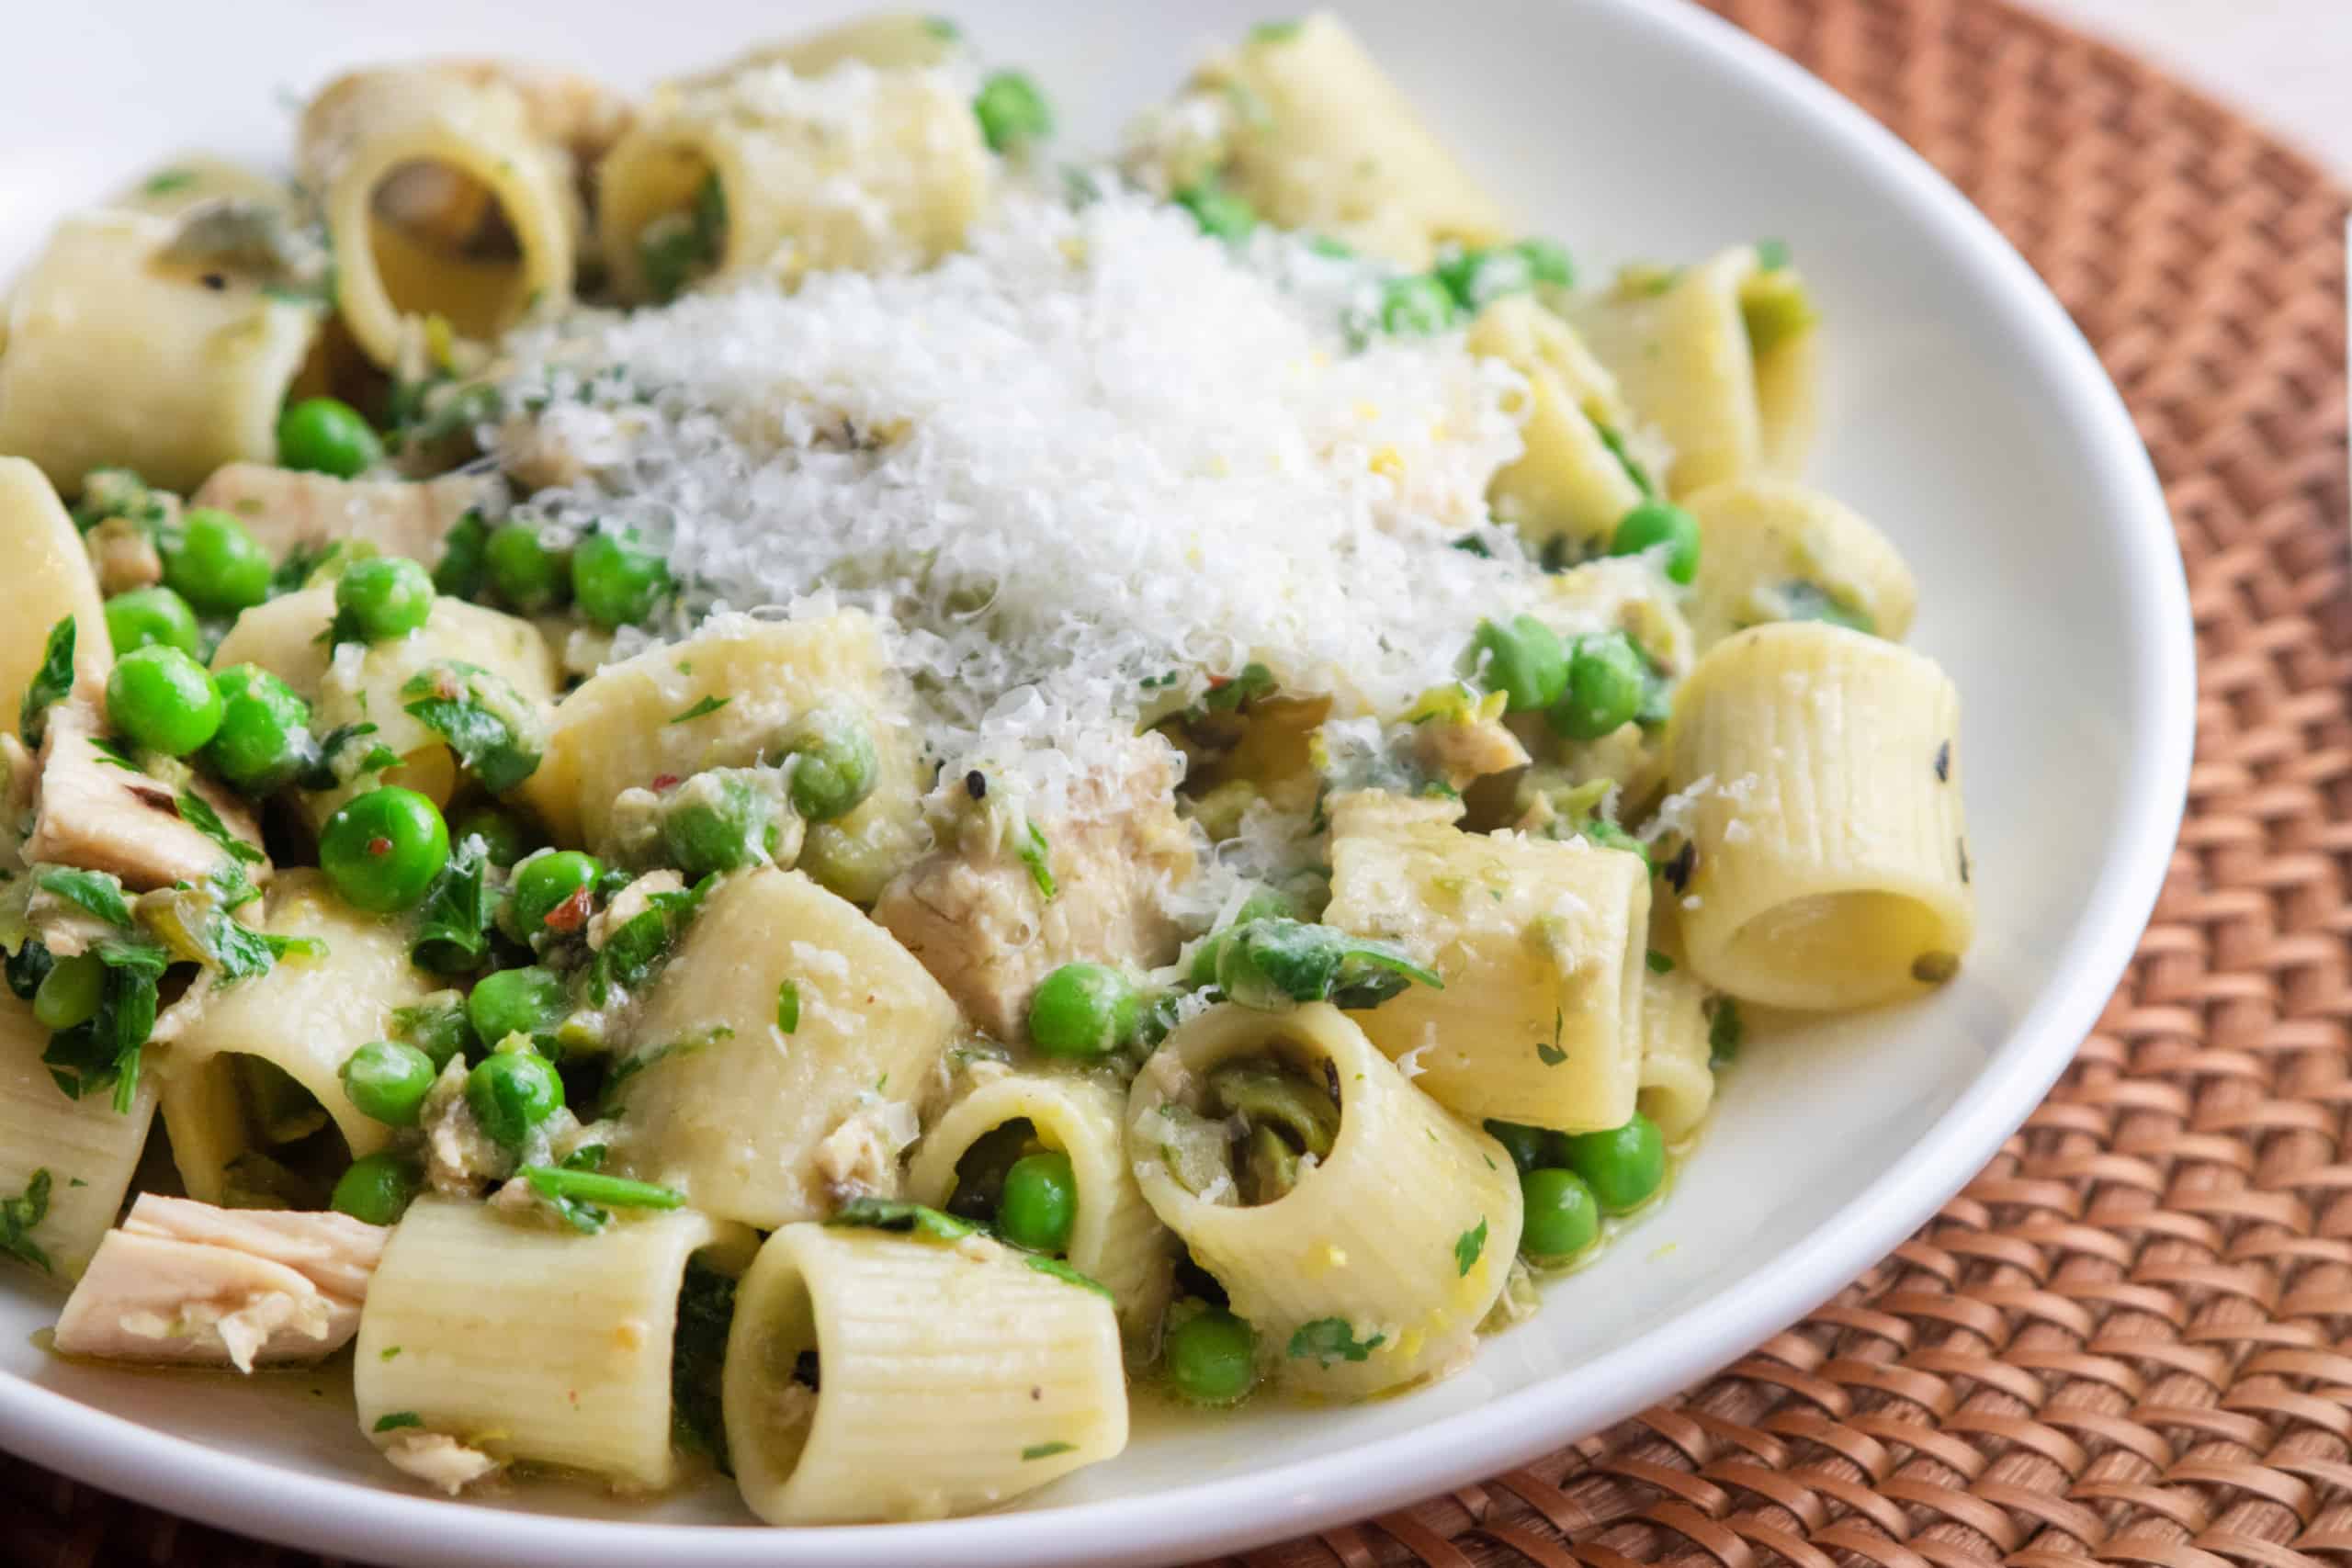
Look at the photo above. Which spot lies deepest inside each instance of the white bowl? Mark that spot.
(1963, 413)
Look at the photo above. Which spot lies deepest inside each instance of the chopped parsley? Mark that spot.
(103, 1049)
(707, 706)
(50, 682)
(1659, 963)
(579, 1192)
(1330, 1340)
(18, 1218)
(698, 1353)
(1047, 1450)
(392, 1421)
(787, 1006)
(907, 1219)
(1036, 857)
(1467, 1248)
(486, 722)
(95, 892)
(1066, 1274)
(1725, 1033)
(453, 935)
(1551, 1054)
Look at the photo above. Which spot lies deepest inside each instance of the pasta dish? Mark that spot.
(767, 778)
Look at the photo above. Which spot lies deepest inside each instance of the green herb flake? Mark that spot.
(1659, 963)
(907, 1219)
(1047, 1450)
(105, 1048)
(493, 731)
(453, 933)
(198, 814)
(1725, 1033)
(1037, 857)
(1552, 1055)
(1066, 1274)
(787, 1006)
(1330, 1340)
(50, 682)
(697, 1357)
(18, 1218)
(163, 182)
(390, 1353)
(1468, 1247)
(95, 892)
(582, 1194)
(701, 709)
(394, 1420)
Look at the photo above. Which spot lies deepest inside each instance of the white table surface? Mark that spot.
(2287, 63)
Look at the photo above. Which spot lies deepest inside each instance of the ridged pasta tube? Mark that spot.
(1821, 769)
(726, 1102)
(1540, 943)
(1326, 141)
(1677, 1083)
(1729, 405)
(118, 355)
(1376, 1268)
(444, 196)
(891, 41)
(616, 731)
(525, 1340)
(1777, 551)
(283, 638)
(49, 578)
(949, 1376)
(302, 1017)
(858, 169)
(1115, 1238)
(1567, 484)
(89, 1149)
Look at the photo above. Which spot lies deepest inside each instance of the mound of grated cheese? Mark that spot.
(1080, 468)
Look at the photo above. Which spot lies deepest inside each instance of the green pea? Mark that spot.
(832, 770)
(382, 850)
(1607, 680)
(511, 1092)
(1523, 659)
(1083, 1010)
(327, 436)
(383, 598)
(1416, 305)
(162, 700)
(617, 582)
(719, 822)
(387, 1081)
(1040, 1201)
(1213, 1357)
(1562, 1217)
(1623, 1165)
(212, 563)
(503, 833)
(1529, 1146)
(524, 573)
(1656, 523)
(70, 991)
(528, 1001)
(265, 738)
(1012, 111)
(1218, 212)
(546, 882)
(145, 618)
(377, 1187)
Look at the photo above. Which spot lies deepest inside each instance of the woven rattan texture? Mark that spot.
(2131, 1339)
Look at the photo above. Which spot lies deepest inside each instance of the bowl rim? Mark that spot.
(349, 1520)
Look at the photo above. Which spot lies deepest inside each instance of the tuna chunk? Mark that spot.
(974, 913)
(183, 1281)
(438, 1459)
(285, 510)
(91, 812)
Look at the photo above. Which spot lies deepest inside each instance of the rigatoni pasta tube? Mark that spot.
(1114, 1236)
(1829, 852)
(892, 40)
(1541, 945)
(1730, 401)
(301, 1019)
(614, 731)
(859, 169)
(464, 1288)
(1326, 141)
(443, 199)
(89, 1149)
(117, 354)
(1777, 551)
(1376, 1267)
(49, 578)
(1566, 484)
(726, 1102)
(1677, 1083)
(946, 1376)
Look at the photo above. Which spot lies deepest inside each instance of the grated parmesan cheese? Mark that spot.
(1096, 448)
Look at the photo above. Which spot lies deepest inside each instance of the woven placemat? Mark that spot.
(2130, 1339)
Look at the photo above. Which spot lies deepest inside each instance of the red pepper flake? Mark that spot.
(380, 845)
(665, 782)
(572, 914)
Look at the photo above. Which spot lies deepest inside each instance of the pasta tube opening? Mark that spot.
(444, 245)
